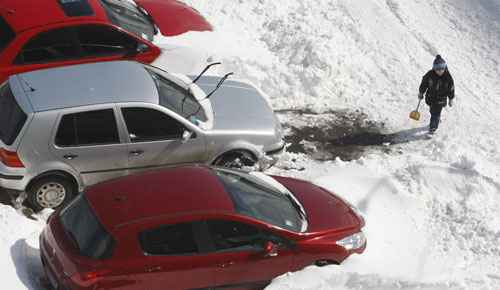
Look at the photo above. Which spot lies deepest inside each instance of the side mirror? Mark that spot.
(270, 249)
(186, 136)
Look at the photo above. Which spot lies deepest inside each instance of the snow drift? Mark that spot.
(431, 205)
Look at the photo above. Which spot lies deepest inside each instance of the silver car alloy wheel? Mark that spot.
(51, 195)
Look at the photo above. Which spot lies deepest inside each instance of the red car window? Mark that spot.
(54, 45)
(74, 8)
(75, 43)
(6, 34)
(234, 236)
(175, 239)
(99, 40)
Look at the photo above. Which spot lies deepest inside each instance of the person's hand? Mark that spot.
(420, 96)
(450, 103)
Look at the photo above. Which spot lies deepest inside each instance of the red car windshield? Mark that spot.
(254, 198)
(6, 34)
(128, 16)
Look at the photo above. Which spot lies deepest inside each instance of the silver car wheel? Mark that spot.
(51, 195)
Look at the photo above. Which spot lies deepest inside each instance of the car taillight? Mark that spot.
(11, 159)
(88, 278)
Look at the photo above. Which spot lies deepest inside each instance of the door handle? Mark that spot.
(136, 152)
(154, 269)
(227, 264)
(70, 156)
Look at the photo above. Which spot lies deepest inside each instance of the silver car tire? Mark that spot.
(50, 192)
(236, 159)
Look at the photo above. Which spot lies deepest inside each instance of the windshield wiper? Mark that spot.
(222, 80)
(195, 80)
(204, 71)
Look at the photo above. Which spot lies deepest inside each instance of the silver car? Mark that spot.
(63, 129)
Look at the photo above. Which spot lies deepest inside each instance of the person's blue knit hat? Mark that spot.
(439, 63)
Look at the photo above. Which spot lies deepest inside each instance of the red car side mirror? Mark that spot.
(270, 249)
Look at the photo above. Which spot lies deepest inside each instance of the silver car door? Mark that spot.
(89, 141)
(158, 139)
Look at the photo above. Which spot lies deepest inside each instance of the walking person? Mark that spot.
(439, 90)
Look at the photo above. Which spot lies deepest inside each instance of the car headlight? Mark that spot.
(353, 242)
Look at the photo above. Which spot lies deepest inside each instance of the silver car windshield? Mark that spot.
(255, 198)
(178, 99)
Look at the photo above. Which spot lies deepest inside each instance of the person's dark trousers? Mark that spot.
(435, 117)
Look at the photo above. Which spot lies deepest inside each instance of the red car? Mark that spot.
(47, 33)
(196, 227)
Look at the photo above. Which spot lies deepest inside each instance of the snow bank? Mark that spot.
(429, 225)
(19, 255)
(431, 205)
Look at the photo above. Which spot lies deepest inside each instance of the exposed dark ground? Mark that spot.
(4, 197)
(344, 134)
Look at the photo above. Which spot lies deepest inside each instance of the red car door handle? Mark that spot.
(227, 264)
(154, 269)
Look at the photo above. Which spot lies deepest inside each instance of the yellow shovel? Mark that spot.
(415, 115)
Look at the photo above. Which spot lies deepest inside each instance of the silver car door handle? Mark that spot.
(70, 156)
(136, 152)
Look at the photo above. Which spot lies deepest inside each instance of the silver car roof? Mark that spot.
(88, 84)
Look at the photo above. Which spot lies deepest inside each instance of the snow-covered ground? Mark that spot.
(431, 205)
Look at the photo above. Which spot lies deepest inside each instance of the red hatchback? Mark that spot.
(196, 227)
(48, 33)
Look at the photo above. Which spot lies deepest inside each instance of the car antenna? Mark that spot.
(204, 71)
(27, 84)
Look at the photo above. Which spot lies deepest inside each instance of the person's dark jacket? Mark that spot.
(437, 89)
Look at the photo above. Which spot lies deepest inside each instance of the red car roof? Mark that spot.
(155, 193)
(26, 14)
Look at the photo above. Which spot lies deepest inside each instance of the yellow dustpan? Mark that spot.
(415, 115)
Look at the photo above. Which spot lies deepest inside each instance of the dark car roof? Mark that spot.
(26, 14)
(174, 191)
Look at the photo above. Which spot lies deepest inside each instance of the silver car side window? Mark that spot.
(144, 124)
(87, 129)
